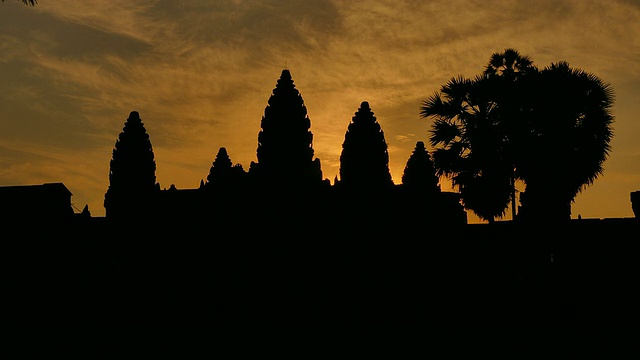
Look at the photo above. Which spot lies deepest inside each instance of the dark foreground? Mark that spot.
(536, 291)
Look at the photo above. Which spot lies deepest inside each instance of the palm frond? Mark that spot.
(432, 106)
(28, 2)
(456, 88)
(443, 133)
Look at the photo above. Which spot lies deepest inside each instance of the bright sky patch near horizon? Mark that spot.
(200, 74)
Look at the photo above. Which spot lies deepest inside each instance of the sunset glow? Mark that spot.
(200, 74)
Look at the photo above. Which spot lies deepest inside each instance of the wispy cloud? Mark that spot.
(200, 72)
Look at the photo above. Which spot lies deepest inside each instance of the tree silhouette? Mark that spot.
(132, 169)
(550, 129)
(28, 2)
(507, 71)
(364, 161)
(570, 129)
(285, 143)
(509, 64)
(469, 142)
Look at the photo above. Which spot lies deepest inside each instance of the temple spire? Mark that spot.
(364, 161)
(285, 143)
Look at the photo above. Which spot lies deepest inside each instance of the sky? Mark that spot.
(200, 74)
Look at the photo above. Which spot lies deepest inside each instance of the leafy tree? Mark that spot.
(509, 71)
(509, 64)
(28, 2)
(469, 142)
(550, 129)
(570, 128)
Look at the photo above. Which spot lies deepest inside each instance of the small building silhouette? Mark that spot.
(49, 201)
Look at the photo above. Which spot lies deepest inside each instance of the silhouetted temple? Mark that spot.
(280, 244)
(285, 180)
(285, 143)
(364, 161)
(132, 173)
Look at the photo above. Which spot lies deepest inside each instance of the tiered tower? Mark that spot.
(132, 173)
(419, 173)
(285, 143)
(364, 162)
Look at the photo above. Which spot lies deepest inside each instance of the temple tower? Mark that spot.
(364, 161)
(132, 172)
(285, 143)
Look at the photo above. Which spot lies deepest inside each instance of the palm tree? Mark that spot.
(569, 138)
(28, 2)
(549, 129)
(510, 71)
(488, 113)
(509, 64)
(469, 142)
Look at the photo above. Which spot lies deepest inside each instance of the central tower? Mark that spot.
(285, 142)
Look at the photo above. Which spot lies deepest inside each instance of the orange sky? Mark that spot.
(200, 74)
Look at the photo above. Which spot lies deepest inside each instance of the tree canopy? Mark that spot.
(548, 128)
(28, 2)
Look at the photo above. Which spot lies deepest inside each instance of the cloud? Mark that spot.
(200, 72)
